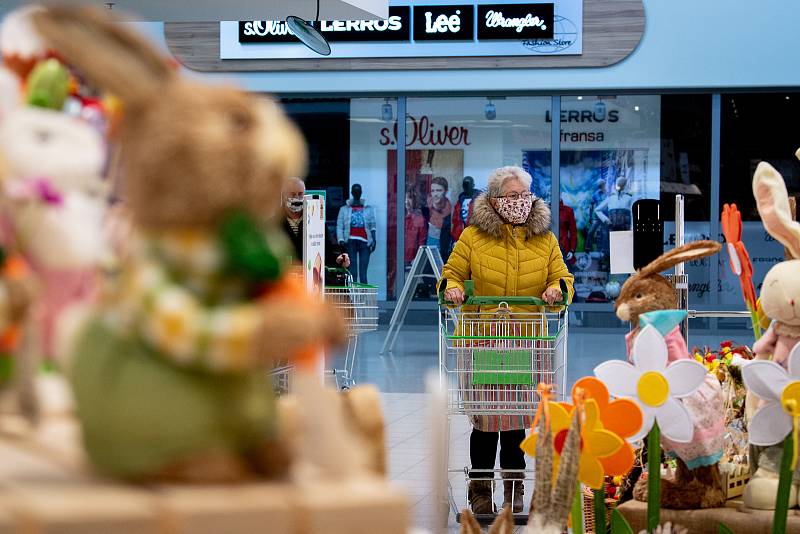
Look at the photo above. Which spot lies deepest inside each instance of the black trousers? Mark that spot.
(483, 450)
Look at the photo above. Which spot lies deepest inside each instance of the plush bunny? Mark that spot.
(53, 206)
(168, 373)
(647, 295)
(780, 300)
(780, 292)
(50, 167)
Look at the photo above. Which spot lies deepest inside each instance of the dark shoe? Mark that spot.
(481, 498)
(513, 494)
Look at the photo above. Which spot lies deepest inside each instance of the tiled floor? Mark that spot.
(401, 377)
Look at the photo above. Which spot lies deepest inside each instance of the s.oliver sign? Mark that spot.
(393, 29)
(447, 29)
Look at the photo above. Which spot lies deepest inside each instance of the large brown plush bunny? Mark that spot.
(169, 370)
(697, 483)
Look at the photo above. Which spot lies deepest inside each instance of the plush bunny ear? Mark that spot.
(689, 251)
(110, 55)
(772, 200)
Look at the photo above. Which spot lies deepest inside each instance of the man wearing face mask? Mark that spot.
(292, 197)
(508, 250)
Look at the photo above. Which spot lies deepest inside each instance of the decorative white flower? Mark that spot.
(655, 386)
(773, 421)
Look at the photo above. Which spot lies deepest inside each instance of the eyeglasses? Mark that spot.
(517, 196)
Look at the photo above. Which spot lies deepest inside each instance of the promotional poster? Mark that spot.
(433, 182)
(598, 188)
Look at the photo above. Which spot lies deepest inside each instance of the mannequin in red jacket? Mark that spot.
(567, 232)
(463, 208)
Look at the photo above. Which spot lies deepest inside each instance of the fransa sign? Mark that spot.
(496, 22)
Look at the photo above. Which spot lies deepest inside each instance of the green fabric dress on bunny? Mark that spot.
(167, 368)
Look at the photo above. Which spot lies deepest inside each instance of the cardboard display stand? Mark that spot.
(314, 252)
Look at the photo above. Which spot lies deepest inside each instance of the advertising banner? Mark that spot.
(314, 253)
(448, 28)
(314, 243)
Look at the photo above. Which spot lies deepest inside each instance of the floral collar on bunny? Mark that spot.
(186, 294)
(40, 189)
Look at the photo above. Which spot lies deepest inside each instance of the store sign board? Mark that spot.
(447, 29)
(396, 28)
(515, 22)
(444, 23)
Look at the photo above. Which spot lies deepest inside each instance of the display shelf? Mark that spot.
(738, 519)
(45, 487)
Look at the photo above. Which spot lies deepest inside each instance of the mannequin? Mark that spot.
(619, 205)
(463, 208)
(593, 240)
(568, 233)
(356, 229)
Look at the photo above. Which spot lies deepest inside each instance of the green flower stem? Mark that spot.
(600, 511)
(784, 486)
(653, 478)
(577, 511)
(756, 325)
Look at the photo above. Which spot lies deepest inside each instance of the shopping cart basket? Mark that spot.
(493, 352)
(359, 305)
(279, 376)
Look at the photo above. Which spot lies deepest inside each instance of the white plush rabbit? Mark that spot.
(780, 299)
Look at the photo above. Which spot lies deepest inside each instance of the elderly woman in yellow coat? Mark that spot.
(508, 250)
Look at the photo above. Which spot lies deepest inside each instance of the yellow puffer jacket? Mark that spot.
(507, 260)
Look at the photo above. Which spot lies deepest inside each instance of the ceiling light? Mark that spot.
(308, 34)
(387, 113)
(490, 112)
(600, 110)
(580, 98)
(635, 108)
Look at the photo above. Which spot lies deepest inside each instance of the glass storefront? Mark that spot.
(612, 151)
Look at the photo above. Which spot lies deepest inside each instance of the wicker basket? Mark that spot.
(588, 510)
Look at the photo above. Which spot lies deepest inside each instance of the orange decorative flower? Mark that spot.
(740, 259)
(604, 450)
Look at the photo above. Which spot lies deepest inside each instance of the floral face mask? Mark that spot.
(514, 210)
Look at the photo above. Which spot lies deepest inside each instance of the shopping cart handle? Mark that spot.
(475, 300)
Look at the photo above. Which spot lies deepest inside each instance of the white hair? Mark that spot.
(500, 176)
(291, 182)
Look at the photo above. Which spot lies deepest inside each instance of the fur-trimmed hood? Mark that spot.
(487, 219)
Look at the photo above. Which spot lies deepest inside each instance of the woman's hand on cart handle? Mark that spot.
(343, 260)
(454, 295)
(552, 295)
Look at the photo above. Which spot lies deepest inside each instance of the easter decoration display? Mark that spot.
(648, 299)
(604, 450)
(556, 483)
(731, 223)
(656, 385)
(774, 376)
(52, 197)
(178, 345)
